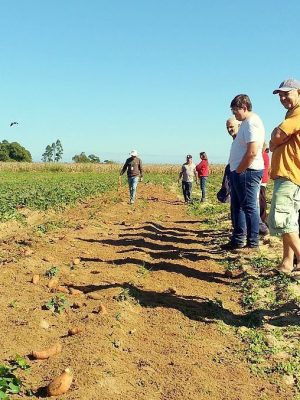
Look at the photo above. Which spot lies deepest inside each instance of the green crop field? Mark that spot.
(41, 186)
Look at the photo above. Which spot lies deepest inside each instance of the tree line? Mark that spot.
(10, 152)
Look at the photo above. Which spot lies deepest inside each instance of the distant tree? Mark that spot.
(58, 151)
(109, 162)
(53, 152)
(4, 155)
(14, 152)
(47, 155)
(81, 158)
(94, 159)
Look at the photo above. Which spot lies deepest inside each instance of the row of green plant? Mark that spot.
(41, 191)
(45, 190)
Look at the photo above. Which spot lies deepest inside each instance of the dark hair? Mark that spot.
(241, 100)
(203, 154)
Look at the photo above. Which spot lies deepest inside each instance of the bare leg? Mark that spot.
(291, 245)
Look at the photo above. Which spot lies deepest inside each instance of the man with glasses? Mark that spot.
(246, 168)
(285, 170)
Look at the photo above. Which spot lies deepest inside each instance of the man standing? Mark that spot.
(134, 168)
(223, 195)
(285, 170)
(246, 168)
(187, 173)
(232, 126)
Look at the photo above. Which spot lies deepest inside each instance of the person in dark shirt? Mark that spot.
(133, 166)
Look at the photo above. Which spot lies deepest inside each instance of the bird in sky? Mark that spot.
(14, 123)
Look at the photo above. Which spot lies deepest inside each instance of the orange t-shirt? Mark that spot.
(286, 157)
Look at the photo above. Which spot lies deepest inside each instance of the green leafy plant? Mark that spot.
(50, 273)
(57, 304)
(10, 383)
(143, 271)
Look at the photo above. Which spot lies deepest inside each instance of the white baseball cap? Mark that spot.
(287, 85)
(133, 153)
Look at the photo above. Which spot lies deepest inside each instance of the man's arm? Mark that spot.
(249, 156)
(180, 176)
(141, 170)
(196, 175)
(124, 168)
(278, 137)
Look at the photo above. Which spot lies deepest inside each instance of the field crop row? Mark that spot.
(41, 191)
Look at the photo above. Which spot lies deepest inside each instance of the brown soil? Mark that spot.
(170, 309)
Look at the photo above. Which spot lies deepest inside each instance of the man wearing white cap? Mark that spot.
(285, 170)
(134, 168)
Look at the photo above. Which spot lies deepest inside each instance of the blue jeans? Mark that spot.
(203, 180)
(244, 204)
(187, 191)
(133, 182)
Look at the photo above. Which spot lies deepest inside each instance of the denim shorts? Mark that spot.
(283, 217)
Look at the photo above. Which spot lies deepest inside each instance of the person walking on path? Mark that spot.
(134, 168)
(187, 174)
(246, 169)
(203, 171)
(285, 171)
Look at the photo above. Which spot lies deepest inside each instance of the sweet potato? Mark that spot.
(62, 289)
(35, 279)
(75, 331)
(75, 292)
(61, 384)
(94, 296)
(53, 283)
(44, 354)
(102, 309)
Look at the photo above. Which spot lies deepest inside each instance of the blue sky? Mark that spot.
(108, 76)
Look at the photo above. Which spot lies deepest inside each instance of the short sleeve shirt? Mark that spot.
(188, 172)
(251, 130)
(286, 157)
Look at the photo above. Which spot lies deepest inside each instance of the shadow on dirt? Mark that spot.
(171, 202)
(199, 309)
(166, 266)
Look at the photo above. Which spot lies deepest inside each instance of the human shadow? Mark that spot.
(174, 255)
(197, 308)
(165, 231)
(168, 267)
(139, 243)
(161, 237)
(171, 202)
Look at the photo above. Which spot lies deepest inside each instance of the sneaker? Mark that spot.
(252, 246)
(232, 246)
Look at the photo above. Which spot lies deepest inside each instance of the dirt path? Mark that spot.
(167, 334)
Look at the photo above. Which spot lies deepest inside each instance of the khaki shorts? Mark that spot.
(283, 217)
